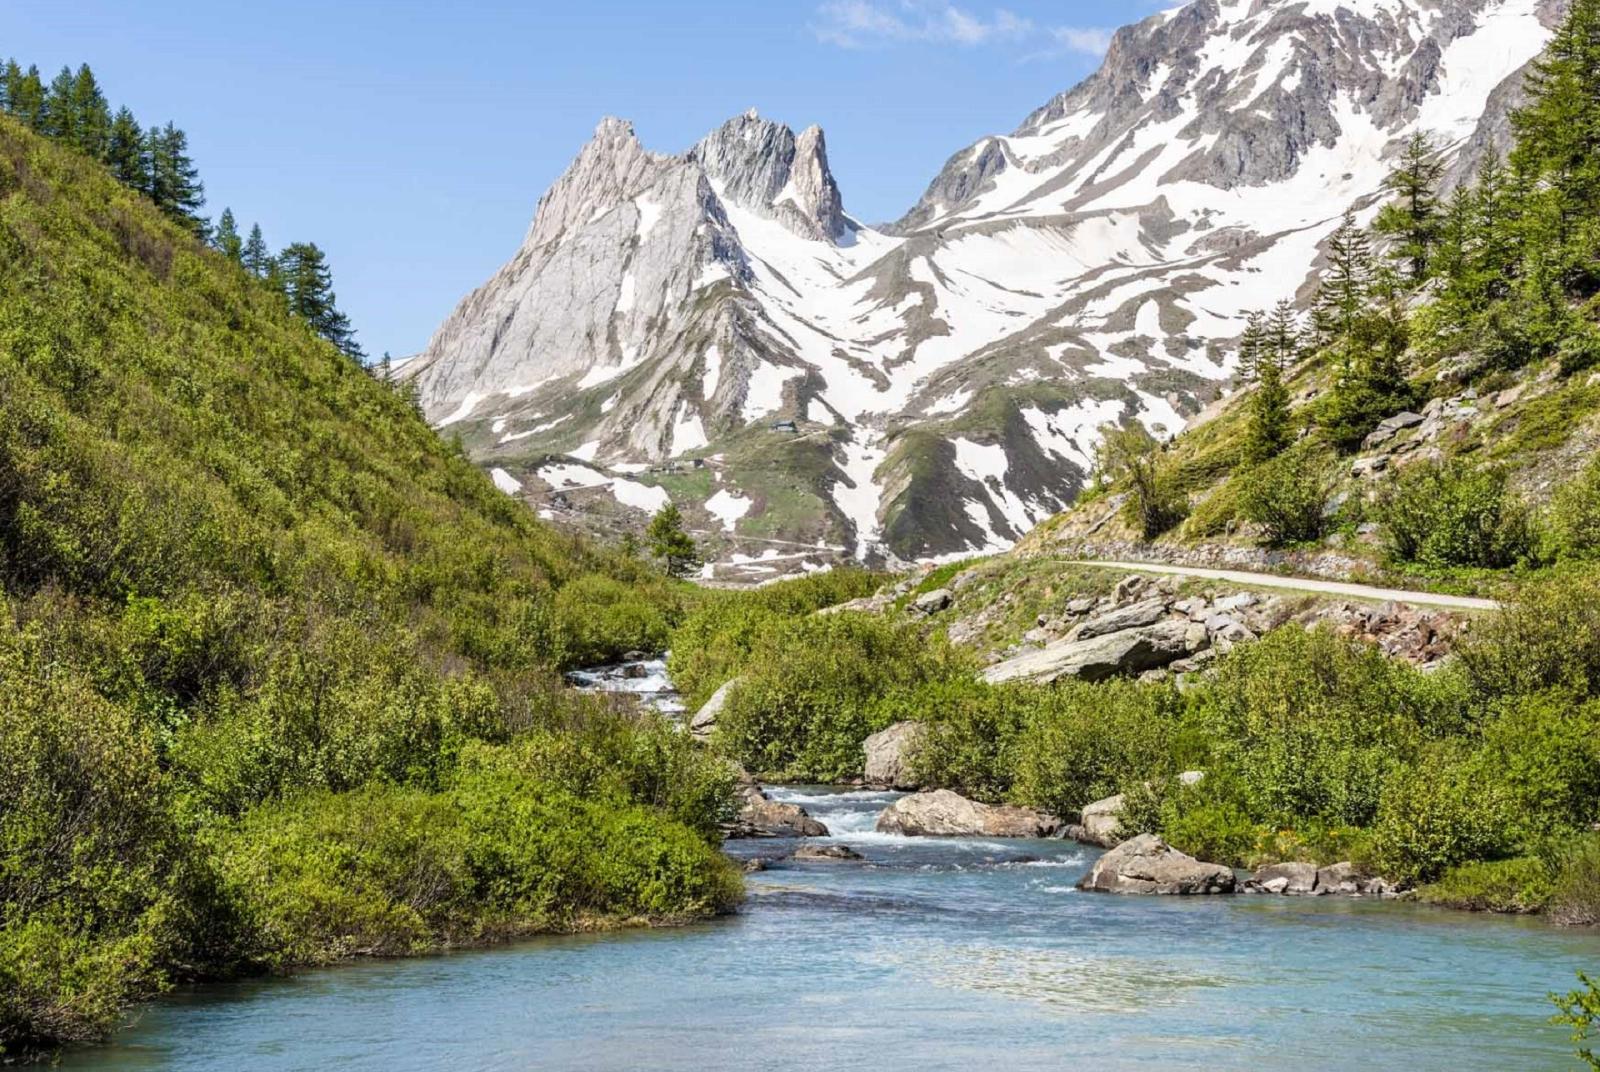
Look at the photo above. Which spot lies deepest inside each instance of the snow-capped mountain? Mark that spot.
(668, 317)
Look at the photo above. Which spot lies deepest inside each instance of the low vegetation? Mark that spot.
(279, 668)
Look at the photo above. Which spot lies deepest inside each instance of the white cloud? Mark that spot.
(869, 23)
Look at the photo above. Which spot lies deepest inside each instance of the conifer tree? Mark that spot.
(1342, 297)
(1250, 345)
(60, 118)
(1269, 432)
(671, 542)
(175, 184)
(227, 239)
(1411, 221)
(91, 115)
(10, 74)
(255, 255)
(25, 95)
(308, 284)
(125, 152)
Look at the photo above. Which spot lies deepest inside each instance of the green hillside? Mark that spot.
(278, 666)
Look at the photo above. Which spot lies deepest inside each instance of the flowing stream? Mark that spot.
(957, 953)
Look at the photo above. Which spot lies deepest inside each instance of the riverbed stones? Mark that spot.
(1291, 878)
(826, 853)
(1100, 823)
(889, 754)
(704, 722)
(1147, 865)
(763, 818)
(942, 813)
(1129, 652)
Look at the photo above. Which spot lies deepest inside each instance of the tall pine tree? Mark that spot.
(1342, 296)
(91, 115)
(60, 117)
(308, 284)
(255, 255)
(227, 238)
(25, 95)
(175, 184)
(125, 152)
(1412, 221)
(1276, 345)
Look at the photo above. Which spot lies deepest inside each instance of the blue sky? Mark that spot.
(412, 140)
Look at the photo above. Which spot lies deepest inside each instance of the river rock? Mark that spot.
(826, 853)
(1339, 878)
(1100, 823)
(1148, 865)
(760, 817)
(1132, 616)
(888, 756)
(704, 722)
(941, 813)
(1291, 878)
(1130, 652)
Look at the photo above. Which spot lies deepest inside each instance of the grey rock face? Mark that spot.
(1101, 823)
(760, 817)
(889, 754)
(704, 722)
(1130, 652)
(941, 813)
(1148, 865)
(1145, 612)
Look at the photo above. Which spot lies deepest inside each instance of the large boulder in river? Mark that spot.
(1132, 651)
(1291, 878)
(704, 722)
(760, 817)
(888, 755)
(1100, 824)
(1148, 865)
(941, 813)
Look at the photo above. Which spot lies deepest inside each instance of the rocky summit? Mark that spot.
(714, 328)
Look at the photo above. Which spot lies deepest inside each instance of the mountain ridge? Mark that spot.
(946, 376)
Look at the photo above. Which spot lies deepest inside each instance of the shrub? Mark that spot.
(1541, 754)
(971, 733)
(808, 698)
(1286, 497)
(1311, 725)
(1520, 885)
(601, 618)
(1453, 514)
(1132, 460)
(1574, 517)
(1575, 900)
(1081, 742)
(1547, 637)
(1434, 815)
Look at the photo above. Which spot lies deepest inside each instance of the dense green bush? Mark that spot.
(1287, 497)
(809, 696)
(1547, 638)
(1437, 813)
(1575, 899)
(1080, 742)
(1440, 515)
(1522, 884)
(1574, 516)
(714, 641)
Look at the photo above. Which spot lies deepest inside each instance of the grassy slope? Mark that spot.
(277, 664)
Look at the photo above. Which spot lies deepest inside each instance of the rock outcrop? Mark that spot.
(1131, 651)
(941, 813)
(760, 817)
(1148, 865)
(704, 722)
(889, 756)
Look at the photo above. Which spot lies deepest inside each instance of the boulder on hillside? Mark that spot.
(932, 602)
(888, 756)
(1148, 865)
(941, 813)
(1132, 651)
(1132, 616)
(704, 722)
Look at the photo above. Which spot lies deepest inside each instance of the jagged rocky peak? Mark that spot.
(764, 167)
(612, 168)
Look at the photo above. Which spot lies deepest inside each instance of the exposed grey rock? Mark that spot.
(1340, 878)
(826, 853)
(1148, 865)
(1291, 878)
(1082, 605)
(941, 813)
(1131, 652)
(932, 602)
(704, 722)
(889, 754)
(760, 817)
(1100, 823)
(1132, 616)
